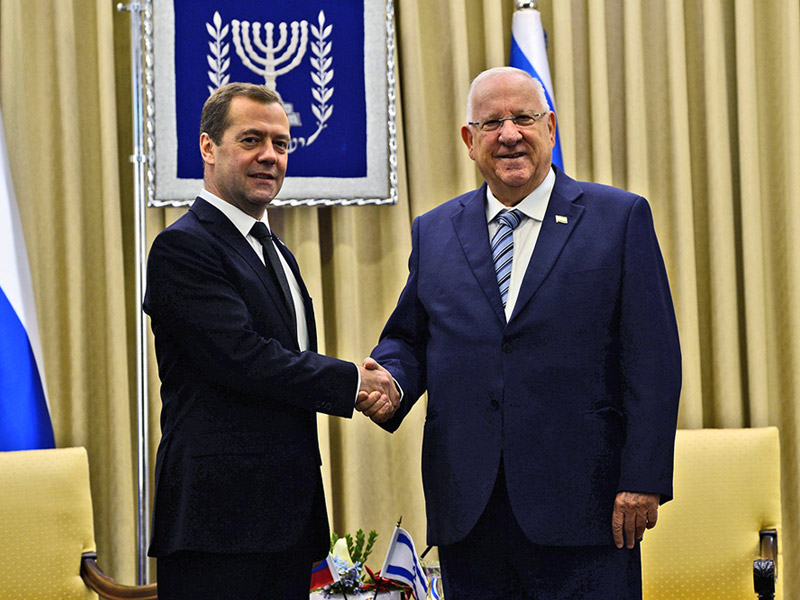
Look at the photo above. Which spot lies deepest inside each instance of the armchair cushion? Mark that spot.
(46, 524)
(727, 489)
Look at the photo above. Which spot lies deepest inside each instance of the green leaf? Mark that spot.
(373, 535)
(358, 547)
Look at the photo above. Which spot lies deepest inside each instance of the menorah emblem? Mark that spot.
(266, 65)
(269, 60)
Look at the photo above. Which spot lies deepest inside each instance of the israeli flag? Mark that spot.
(434, 588)
(529, 53)
(402, 564)
(24, 416)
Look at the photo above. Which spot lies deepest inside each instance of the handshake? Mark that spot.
(378, 397)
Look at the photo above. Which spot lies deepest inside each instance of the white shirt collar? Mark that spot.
(240, 219)
(533, 206)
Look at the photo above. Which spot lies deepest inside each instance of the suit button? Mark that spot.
(495, 404)
(507, 348)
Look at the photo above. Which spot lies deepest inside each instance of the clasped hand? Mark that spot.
(378, 397)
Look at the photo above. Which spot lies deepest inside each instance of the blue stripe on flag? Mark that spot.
(24, 418)
(319, 567)
(419, 575)
(434, 592)
(520, 61)
(400, 572)
(403, 539)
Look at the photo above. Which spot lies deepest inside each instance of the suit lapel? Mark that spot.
(223, 229)
(552, 237)
(473, 234)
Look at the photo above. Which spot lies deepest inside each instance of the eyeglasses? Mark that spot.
(521, 121)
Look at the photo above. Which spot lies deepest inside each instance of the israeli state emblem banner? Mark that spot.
(331, 62)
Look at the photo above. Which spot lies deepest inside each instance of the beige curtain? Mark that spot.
(57, 92)
(692, 104)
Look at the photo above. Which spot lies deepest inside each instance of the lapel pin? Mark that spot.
(561, 219)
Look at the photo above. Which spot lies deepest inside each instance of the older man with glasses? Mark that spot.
(537, 315)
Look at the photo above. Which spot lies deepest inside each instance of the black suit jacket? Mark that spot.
(237, 469)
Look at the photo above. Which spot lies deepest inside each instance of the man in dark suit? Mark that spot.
(239, 504)
(538, 317)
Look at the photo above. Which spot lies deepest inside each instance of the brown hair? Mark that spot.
(214, 119)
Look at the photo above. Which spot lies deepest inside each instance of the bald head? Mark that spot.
(486, 77)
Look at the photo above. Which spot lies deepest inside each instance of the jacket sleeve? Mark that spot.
(202, 321)
(403, 342)
(650, 361)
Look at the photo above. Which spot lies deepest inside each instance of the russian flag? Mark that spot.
(323, 573)
(529, 53)
(24, 416)
(402, 564)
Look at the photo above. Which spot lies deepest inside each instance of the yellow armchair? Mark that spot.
(726, 514)
(47, 530)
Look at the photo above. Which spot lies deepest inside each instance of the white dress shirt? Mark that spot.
(244, 223)
(533, 206)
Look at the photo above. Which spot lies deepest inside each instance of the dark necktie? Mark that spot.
(263, 235)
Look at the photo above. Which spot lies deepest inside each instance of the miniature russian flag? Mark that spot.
(323, 573)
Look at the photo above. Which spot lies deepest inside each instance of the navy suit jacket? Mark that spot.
(578, 391)
(237, 468)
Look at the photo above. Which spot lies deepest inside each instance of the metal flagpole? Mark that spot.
(139, 160)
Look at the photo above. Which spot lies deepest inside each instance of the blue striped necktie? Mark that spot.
(503, 249)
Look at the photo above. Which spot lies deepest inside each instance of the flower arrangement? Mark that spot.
(355, 578)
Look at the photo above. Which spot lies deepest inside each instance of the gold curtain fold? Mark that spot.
(692, 104)
(57, 91)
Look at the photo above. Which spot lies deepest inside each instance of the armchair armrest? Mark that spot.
(106, 587)
(765, 568)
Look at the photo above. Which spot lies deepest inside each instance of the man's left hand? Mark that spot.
(633, 512)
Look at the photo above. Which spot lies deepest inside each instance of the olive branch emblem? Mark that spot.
(218, 60)
(321, 62)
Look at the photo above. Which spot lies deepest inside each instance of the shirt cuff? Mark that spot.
(358, 383)
(399, 389)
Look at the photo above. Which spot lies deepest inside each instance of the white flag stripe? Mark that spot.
(527, 30)
(402, 563)
(15, 277)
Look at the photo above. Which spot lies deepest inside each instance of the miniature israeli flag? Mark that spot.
(24, 416)
(434, 588)
(402, 564)
(529, 53)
